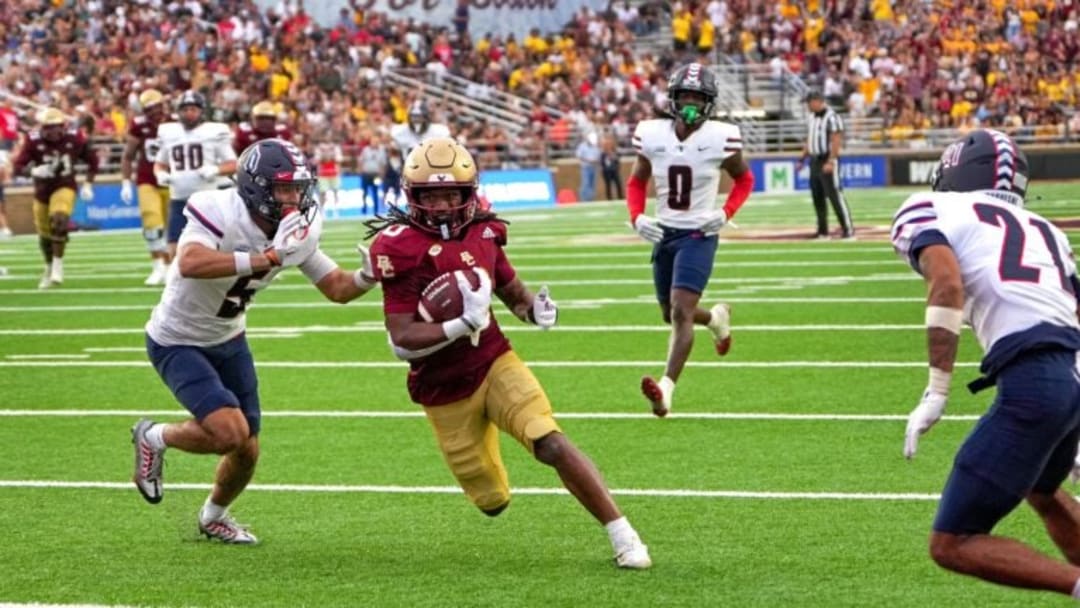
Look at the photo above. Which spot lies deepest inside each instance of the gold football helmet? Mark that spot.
(51, 116)
(52, 123)
(150, 98)
(263, 108)
(152, 103)
(440, 180)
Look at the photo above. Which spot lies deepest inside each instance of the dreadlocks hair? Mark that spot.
(395, 216)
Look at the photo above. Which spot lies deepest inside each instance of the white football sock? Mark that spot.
(57, 265)
(155, 436)
(211, 512)
(1076, 590)
(159, 265)
(620, 532)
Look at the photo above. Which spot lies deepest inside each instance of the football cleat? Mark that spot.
(227, 531)
(148, 463)
(633, 556)
(720, 326)
(56, 275)
(157, 277)
(46, 281)
(658, 394)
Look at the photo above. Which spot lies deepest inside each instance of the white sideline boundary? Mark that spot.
(393, 489)
(22, 413)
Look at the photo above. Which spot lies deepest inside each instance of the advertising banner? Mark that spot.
(779, 175)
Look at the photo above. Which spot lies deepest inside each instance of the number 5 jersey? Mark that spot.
(207, 312)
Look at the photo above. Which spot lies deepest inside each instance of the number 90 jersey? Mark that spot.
(1018, 271)
(186, 152)
(687, 172)
(207, 312)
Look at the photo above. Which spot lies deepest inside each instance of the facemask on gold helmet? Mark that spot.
(440, 180)
(51, 122)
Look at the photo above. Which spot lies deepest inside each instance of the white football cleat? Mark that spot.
(633, 556)
(658, 393)
(46, 280)
(56, 275)
(227, 531)
(157, 277)
(5, 233)
(720, 326)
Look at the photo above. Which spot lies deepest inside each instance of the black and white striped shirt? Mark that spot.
(818, 130)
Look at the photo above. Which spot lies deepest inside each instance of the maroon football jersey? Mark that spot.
(247, 135)
(406, 259)
(145, 130)
(61, 156)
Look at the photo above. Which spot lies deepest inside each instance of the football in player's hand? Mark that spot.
(441, 299)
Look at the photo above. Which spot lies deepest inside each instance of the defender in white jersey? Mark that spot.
(192, 155)
(236, 242)
(684, 154)
(417, 128)
(1011, 275)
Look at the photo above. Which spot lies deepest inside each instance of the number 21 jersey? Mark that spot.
(1017, 268)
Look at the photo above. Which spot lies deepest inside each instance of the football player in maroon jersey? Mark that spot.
(142, 147)
(263, 125)
(49, 155)
(463, 371)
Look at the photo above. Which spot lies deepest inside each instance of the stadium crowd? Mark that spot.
(92, 58)
(918, 65)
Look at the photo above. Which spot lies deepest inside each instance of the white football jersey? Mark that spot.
(405, 139)
(210, 143)
(206, 312)
(1016, 266)
(686, 173)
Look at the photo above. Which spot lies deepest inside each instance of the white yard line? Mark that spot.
(393, 489)
(766, 416)
(536, 364)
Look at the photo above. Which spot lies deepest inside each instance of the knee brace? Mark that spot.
(155, 239)
(58, 224)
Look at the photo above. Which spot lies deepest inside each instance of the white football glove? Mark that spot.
(86, 193)
(648, 228)
(928, 412)
(127, 193)
(208, 172)
(42, 172)
(365, 277)
(545, 312)
(163, 178)
(714, 222)
(290, 235)
(476, 311)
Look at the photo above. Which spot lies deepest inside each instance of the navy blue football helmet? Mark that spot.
(191, 98)
(984, 159)
(271, 162)
(695, 78)
(419, 117)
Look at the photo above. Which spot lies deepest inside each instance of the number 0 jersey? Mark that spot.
(210, 143)
(1018, 271)
(207, 312)
(687, 172)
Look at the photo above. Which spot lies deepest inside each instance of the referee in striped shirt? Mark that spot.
(824, 137)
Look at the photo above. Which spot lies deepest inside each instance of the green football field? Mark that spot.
(777, 481)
